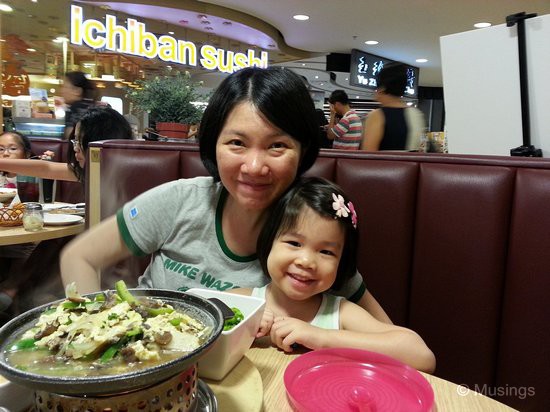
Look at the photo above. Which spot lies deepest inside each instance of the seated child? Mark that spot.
(307, 246)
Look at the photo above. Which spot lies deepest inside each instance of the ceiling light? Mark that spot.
(316, 77)
(301, 17)
(303, 64)
(34, 1)
(347, 78)
(5, 7)
(357, 97)
(170, 32)
(421, 60)
(31, 50)
(60, 39)
(482, 25)
(371, 42)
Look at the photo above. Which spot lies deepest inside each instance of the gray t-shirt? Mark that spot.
(179, 223)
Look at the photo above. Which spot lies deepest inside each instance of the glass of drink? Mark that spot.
(27, 188)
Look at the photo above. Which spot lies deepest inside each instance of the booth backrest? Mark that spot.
(454, 247)
(70, 192)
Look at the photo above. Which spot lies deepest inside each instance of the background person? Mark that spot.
(257, 135)
(79, 94)
(347, 132)
(307, 246)
(395, 126)
(98, 123)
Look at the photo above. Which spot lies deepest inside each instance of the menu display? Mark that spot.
(365, 67)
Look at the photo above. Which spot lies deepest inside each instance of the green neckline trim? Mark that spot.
(219, 232)
(126, 236)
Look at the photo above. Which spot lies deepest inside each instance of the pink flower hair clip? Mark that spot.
(343, 210)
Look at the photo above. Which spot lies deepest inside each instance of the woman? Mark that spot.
(79, 94)
(394, 126)
(258, 134)
(98, 123)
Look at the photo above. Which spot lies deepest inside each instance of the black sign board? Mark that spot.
(365, 67)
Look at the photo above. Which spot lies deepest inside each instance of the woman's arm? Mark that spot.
(371, 305)
(38, 168)
(84, 257)
(374, 131)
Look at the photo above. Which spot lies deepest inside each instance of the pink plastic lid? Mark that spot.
(341, 379)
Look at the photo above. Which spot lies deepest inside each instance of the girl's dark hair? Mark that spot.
(97, 123)
(393, 78)
(315, 193)
(78, 79)
(23, 141)
(279, 94)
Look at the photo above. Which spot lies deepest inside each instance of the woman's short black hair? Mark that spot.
(393, 79)
(279, 94)
(79, 79)
(315, 193)
(23, 141)
(98, 123)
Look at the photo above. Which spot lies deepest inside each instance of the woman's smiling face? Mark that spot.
(257, 162)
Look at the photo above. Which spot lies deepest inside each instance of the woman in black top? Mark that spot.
(79, 94)
(394, 126)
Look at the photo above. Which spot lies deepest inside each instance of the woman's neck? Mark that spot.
(281, 305)
(241, 227)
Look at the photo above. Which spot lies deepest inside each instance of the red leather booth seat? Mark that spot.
(456, 247)
(70, 192)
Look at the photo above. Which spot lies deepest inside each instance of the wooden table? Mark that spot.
(271, 364)
(16, 235)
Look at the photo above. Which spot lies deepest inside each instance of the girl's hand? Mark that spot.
(48, 155)
(286, 332)
(265, 323)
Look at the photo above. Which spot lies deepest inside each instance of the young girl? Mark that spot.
(308, 246)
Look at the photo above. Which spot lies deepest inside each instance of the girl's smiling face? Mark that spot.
(304, 261)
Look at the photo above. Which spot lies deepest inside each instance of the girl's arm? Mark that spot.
(358, 329)
(84, 257)
(374, 131)
(38, 168)
(267, 316)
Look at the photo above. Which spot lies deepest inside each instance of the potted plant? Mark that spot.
(168, 101)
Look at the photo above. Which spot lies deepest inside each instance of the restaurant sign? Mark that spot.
(136, 40)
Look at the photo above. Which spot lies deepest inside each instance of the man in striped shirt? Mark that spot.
(348, 132)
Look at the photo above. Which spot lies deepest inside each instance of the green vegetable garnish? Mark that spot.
(23, 344)
(234, 321)
(123, 292)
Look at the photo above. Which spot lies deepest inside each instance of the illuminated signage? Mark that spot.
(136, 40)
(364, 69)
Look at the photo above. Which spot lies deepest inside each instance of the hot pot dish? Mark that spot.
(108, 342)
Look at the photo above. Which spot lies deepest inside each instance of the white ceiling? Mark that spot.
(406, 29)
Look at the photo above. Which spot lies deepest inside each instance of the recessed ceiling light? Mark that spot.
(170, 32)
(301, 17)
(482, 25)
(5, 7)
(357, 97)
(371, 42)
(316, 77)
(303, 64)
(347, 78)
(421, 60)
(31, 50)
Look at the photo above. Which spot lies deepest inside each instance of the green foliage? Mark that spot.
(168, 98)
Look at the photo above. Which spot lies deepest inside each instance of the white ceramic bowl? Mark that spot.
(231, 345)
(7, 194)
